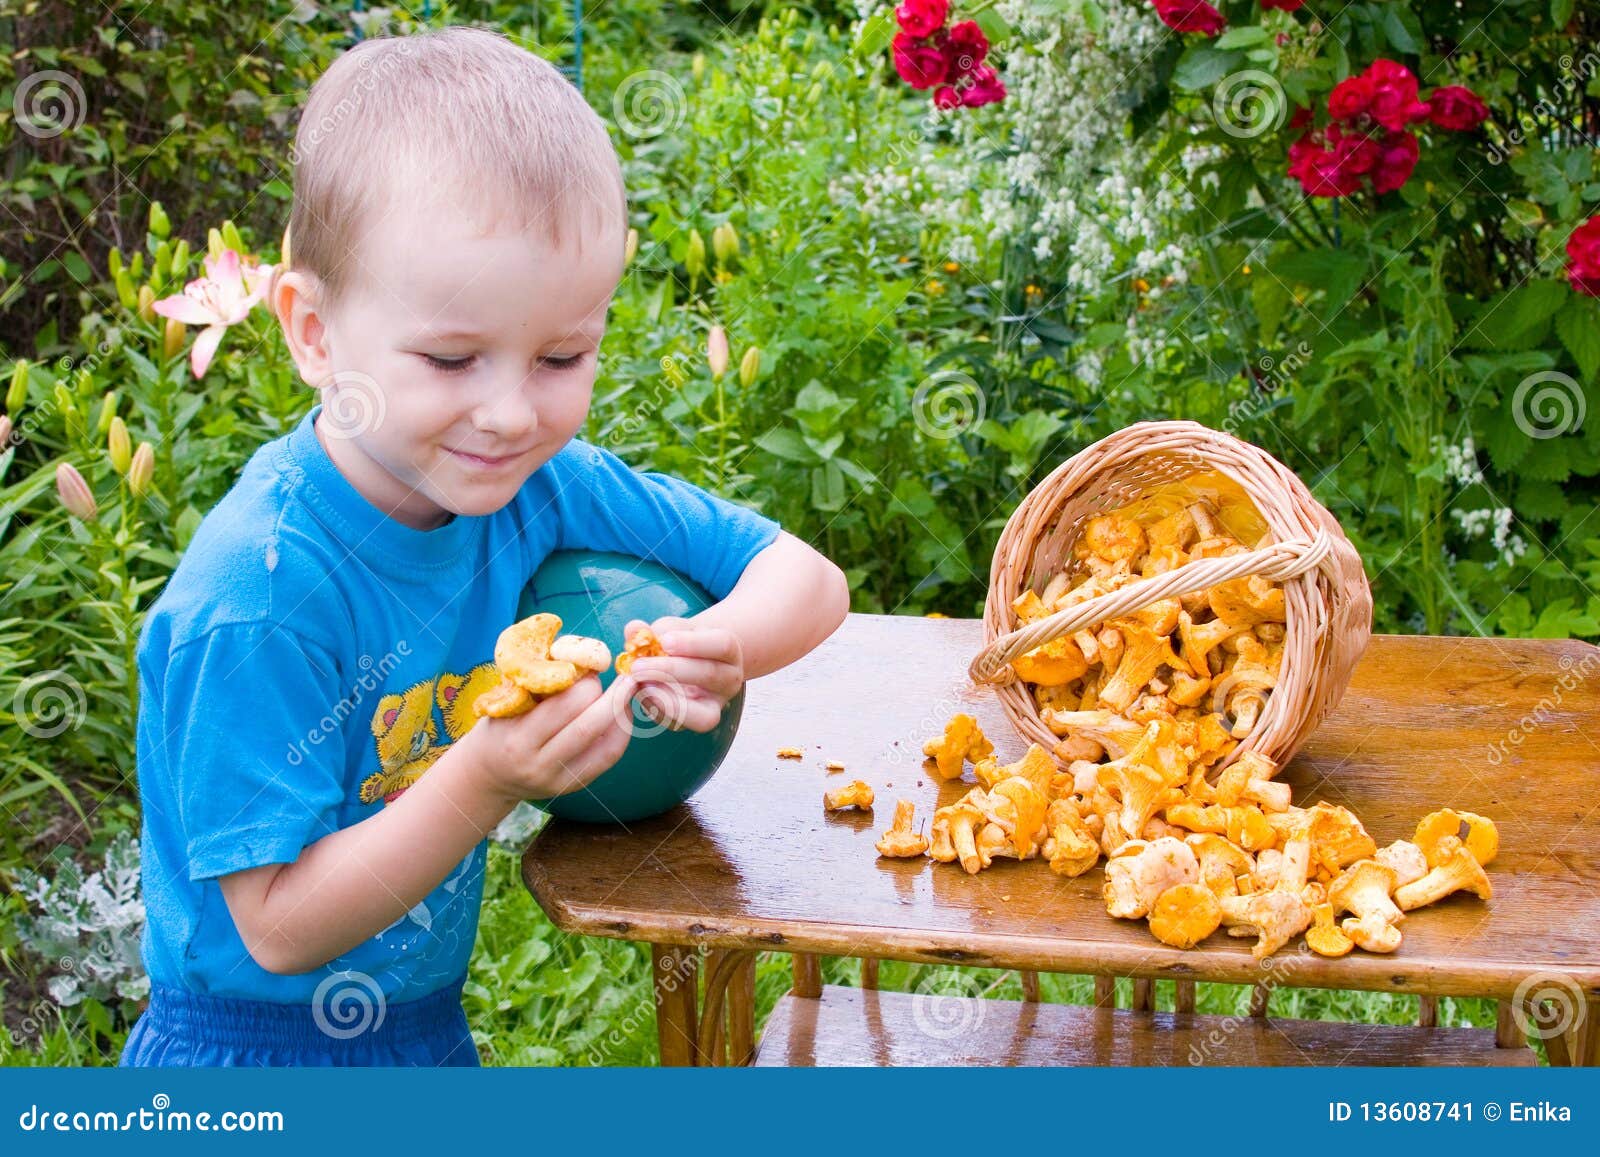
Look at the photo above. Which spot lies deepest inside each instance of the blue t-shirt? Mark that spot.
(311, 656)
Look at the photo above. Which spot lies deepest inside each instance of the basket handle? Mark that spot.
(1281, 561)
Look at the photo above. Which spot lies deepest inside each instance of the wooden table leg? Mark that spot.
(1589, 1027)
(807, 976)
(1260, 997)
(1507, 1032)
(674, 971)
(869, 972)
(1030, 986)
(1144, 995)
(1428, 1012)
(1105, 992)
(742, 1013)
(1183, 995)
(721, 969)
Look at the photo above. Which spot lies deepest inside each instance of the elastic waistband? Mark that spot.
(346, 1012)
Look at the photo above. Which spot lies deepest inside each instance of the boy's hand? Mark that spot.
(561, 745)
(689, 686)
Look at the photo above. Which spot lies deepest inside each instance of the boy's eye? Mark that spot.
(448, 365)
(563, 363)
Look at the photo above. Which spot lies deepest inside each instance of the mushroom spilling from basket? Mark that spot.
(1148, 709)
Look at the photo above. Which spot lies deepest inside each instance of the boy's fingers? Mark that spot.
(721, 679)
(711, 643)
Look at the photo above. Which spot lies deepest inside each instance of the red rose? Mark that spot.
(946, 97)
(1190, 16)
(1283, 5)
(1397, 156)
(1323, 171)
(1457, 109)
(965, 48)
(986, 88)
(919, 63)
(1583, 257)
(922, 17)
(1350, 98)
(1301, 118)
(1394, 95)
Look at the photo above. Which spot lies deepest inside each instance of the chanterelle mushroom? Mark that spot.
(1457, 870)
(963, 739)
(1326, 938)
(1220, 862)
(1136, 877)
(857, 793)
(1364, 888)
(1184, 915)
(1405, 859)
(1072, 848)
(1276, 917)
(900, 842)
(1478, 834)
(1144, 651)
(959, 822)
(1371, 932)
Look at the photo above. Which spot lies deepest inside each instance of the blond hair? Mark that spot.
(460, 114)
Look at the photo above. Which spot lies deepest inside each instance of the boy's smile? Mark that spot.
(461, 358)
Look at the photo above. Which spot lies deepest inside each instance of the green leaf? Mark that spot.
(1201, 66)
(1578, 327)
(1244, 36)
(876, 34)
(1401, 28)
(1520, 313)
(786, 444)
(1561, 12)
(1337, 272)
(994, 25)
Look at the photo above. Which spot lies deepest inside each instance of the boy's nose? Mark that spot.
(507, 414)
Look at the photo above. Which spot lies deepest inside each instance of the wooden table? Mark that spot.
(1501, 727)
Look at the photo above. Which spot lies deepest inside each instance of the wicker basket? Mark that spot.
(1328, 603)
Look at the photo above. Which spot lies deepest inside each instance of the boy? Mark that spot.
(316, 795)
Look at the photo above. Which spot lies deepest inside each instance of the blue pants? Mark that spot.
(180, 1028)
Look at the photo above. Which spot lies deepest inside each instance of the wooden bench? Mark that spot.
(1494, 726)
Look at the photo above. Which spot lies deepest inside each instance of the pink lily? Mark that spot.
(230, 289)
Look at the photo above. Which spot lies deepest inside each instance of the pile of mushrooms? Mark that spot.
(1131, 778)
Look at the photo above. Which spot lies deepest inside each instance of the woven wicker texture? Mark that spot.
(1328, 603)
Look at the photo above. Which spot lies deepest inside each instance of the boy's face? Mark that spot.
(459, 361)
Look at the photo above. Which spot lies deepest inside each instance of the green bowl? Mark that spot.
(597, 594)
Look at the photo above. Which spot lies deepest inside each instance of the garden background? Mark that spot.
(936, 284)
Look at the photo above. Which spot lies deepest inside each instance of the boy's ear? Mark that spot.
(296, 300)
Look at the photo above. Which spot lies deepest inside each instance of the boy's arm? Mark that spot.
(788, 600)
(350, 885)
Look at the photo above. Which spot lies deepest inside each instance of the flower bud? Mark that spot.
(18, 393)
(697, 66)
(750, 366)
(695, 260)
(114, 263)
(814, 94)
(178, 266)
(142, 469)
(631, 249)
(159, 225)
(126, 293)
(146, 303)
(107, 414)
(231, 238)
(119, 447)
(717, 351)
(161, 263)
(75, 493)
(5, 433)
(725, 242)
(823, 70)
(214, 245)
(172, 338)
